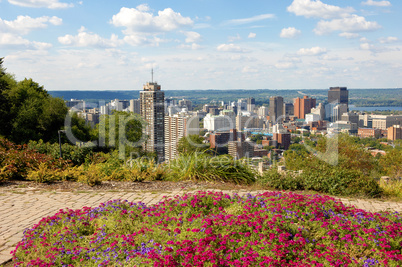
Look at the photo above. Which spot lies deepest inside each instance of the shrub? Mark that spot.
(330, 180)
(203, 167)
(17, 160)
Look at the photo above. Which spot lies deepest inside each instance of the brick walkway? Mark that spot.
(22, 209)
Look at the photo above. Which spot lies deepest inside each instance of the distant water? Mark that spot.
(351, 107)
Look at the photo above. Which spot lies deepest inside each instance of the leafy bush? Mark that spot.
(203, 167)
(335, 181)
(215, 229)
(17, 160)
(75, 154)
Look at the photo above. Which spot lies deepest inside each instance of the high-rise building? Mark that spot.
(288, 109)
(276, 108)
(153, 111)
(250, 104)
(303, 106)
(135, 106)
(176, 127)
(338, 95)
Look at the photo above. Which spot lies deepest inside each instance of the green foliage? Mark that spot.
(28, 112)
(190, 144)
(203, 167)
(272, 178)
(392, 163)
(81, 130)
(17, 160)
(122, 131)
(77, 155)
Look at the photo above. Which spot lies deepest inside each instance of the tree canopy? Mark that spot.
(28, 112)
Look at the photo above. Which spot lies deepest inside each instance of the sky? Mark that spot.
(203, 44)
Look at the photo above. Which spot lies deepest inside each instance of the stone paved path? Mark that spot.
(22, 209)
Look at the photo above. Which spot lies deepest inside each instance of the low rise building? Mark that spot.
(368, 133)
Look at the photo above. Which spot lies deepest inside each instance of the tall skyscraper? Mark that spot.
(338, 95)
(303, 106)
(153, 111)
(250, 104)
(276, 108)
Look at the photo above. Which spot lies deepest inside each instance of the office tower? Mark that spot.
(333, 112)
(135, 106)
(153, 111)
(288, 109)
(263, 111)
(250, 104)
(176, 127)
(303, 106)
(184, 103)
(276, 109)
(338, 95)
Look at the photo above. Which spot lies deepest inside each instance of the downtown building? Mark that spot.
(276, 109)
(153, 111)
(178, 126)
(303, 106)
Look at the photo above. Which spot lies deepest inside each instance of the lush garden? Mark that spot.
(215, 229)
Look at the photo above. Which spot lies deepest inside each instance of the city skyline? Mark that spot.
(113, 45)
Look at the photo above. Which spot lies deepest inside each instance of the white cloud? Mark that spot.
(251, 35)
(229, 48)
(12, 41)
(285, 65)
(248, 69)
(139, 21)
(364, 40)
(192, 37)
(353, 23)
(349, 35)
(234, 38)
(314, 51)
(388, 40)
(317, 9)
(193, 46)
(290, 33)
(143, 7)
(25, 24)
(52, 4)
(366, 46)
(142, 26)
(376, 3)
(234, 22)
(87, 39)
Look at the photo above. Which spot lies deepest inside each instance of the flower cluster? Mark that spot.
(216, 229)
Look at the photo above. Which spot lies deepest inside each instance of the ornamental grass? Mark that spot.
(215, 229)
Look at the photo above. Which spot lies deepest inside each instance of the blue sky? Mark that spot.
(203, 44)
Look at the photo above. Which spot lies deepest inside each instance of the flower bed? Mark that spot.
(215, 229)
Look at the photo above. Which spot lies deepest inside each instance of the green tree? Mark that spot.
(392, 163)
(191, 143)
(122, 131)
(34, 113)
(5, 106)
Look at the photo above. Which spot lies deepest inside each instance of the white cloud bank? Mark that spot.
(88, 39)
(290, 33)
(314, 51)
(142, 26)
(376, 3)
(317, 9)
(351, 24)
(52, 4)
